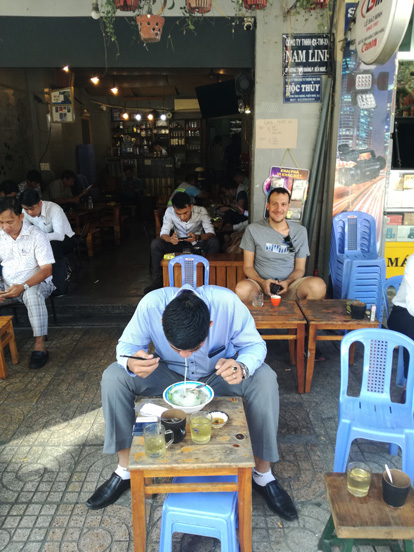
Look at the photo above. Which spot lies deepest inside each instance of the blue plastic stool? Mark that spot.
(205, 514)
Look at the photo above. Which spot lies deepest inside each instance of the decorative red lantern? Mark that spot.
(202, 6)
(255, 4)
(127, 5)
(150, 27)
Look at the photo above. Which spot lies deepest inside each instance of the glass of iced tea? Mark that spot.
(200, 425)
(358, 478)
(154, 439)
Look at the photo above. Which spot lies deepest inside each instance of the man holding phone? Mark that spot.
(274, 256)
(50, 218)
(184, 225)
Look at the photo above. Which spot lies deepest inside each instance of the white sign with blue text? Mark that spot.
(302, 89)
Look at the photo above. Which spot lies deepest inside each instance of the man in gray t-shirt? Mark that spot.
(275, 252)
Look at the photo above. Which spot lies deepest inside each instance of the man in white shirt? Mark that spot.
(401, 318)
(50, 218)
(184, 225)
(26, 258)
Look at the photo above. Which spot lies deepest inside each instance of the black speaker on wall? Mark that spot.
(217, 100)
(244, 84)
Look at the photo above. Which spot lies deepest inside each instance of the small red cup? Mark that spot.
(275, 300)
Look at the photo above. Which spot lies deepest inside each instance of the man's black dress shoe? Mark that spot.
(108, 492)
(277, 499)
(38, 359)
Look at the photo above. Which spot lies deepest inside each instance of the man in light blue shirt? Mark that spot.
(215, 332)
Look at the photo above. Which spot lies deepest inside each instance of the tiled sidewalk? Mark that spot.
(51, 435)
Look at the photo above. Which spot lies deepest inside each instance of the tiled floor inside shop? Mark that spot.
(51, 430)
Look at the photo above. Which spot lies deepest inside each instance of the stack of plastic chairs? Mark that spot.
(357, 271)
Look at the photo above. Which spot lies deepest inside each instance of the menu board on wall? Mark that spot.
(62, 105)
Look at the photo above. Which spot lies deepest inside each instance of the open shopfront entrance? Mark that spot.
(156, 80)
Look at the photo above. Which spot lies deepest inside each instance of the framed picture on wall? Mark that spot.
(62, 105)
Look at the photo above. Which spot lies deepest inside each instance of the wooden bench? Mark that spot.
(7, 338)
(225, 270)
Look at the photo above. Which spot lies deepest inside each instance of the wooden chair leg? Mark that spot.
(3, 369)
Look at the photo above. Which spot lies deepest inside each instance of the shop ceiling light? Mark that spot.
(95, 80)
(138, 117)
(247, 110)
(150, 116)
(125, 116)
(114, 90)
(66, 68)
(163, 117)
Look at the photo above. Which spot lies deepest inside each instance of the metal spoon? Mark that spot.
(202, 384)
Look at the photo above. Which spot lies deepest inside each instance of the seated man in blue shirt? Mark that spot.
(215, 332)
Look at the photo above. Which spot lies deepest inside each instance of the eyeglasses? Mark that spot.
(288, 242)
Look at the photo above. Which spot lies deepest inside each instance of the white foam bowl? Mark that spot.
(190, 385)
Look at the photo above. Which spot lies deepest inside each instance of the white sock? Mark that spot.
(122, 472)
(263, 479)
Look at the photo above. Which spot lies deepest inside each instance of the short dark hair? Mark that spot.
(9, 187)
(34, 176)
(10, 204)
(67, 175)
(278, 190)
(180, 200)
(29, 198)
(186, 321)
(229, 185)
(191, 176)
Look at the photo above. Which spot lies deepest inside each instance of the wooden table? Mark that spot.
(225, 270)
(7, 338)
(286, 316)
(77, 218)
(228, 453)
(327, 314)
(366, 520)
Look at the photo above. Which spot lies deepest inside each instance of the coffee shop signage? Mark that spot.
(306, 54)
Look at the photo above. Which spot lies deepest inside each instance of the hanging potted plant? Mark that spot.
(200, 6)
(127, 5)
(255, 4)
(150, 25)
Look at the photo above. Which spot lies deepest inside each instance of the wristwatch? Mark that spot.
(245, 370)
(25, 286)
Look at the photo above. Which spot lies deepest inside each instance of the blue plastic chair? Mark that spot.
(189, 269)
(395, 282)
(372, 415)
(355, 235)
(206, 514)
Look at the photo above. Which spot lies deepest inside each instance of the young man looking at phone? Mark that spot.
(50, 218)
(183, 226)
(275, 252)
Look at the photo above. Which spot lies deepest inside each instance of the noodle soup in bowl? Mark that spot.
(179, 396)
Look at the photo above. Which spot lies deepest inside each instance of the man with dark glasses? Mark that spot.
(275, 251)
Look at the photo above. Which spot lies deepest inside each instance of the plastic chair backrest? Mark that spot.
(395, 282)
(379, 345)
(355, 234)
(189, 269)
